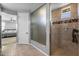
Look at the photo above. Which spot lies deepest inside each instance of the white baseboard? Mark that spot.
(39, 50)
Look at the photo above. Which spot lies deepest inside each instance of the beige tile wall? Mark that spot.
(61, 34)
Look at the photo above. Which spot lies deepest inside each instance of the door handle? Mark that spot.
(27, 33)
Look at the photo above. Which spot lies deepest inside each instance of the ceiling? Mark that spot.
(29, 7)
(22, 7)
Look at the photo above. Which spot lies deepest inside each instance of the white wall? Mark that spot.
(10, 25)
(23, 28)
(6, 18)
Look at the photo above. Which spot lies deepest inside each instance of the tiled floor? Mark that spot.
(64, 52)
(10, 48)
(13, 49)
(8, 41)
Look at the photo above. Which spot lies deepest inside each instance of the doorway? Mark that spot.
(9, 27)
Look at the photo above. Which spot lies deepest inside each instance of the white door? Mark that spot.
(23, 28)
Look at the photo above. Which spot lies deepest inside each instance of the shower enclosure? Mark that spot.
(64, 29)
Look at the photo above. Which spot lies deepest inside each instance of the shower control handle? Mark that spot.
(74, 36)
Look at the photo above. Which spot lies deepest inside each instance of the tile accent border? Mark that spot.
(66, 21)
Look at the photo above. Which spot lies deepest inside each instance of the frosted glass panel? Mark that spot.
(38, 25)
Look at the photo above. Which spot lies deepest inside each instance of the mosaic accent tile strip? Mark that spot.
(66, 21)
